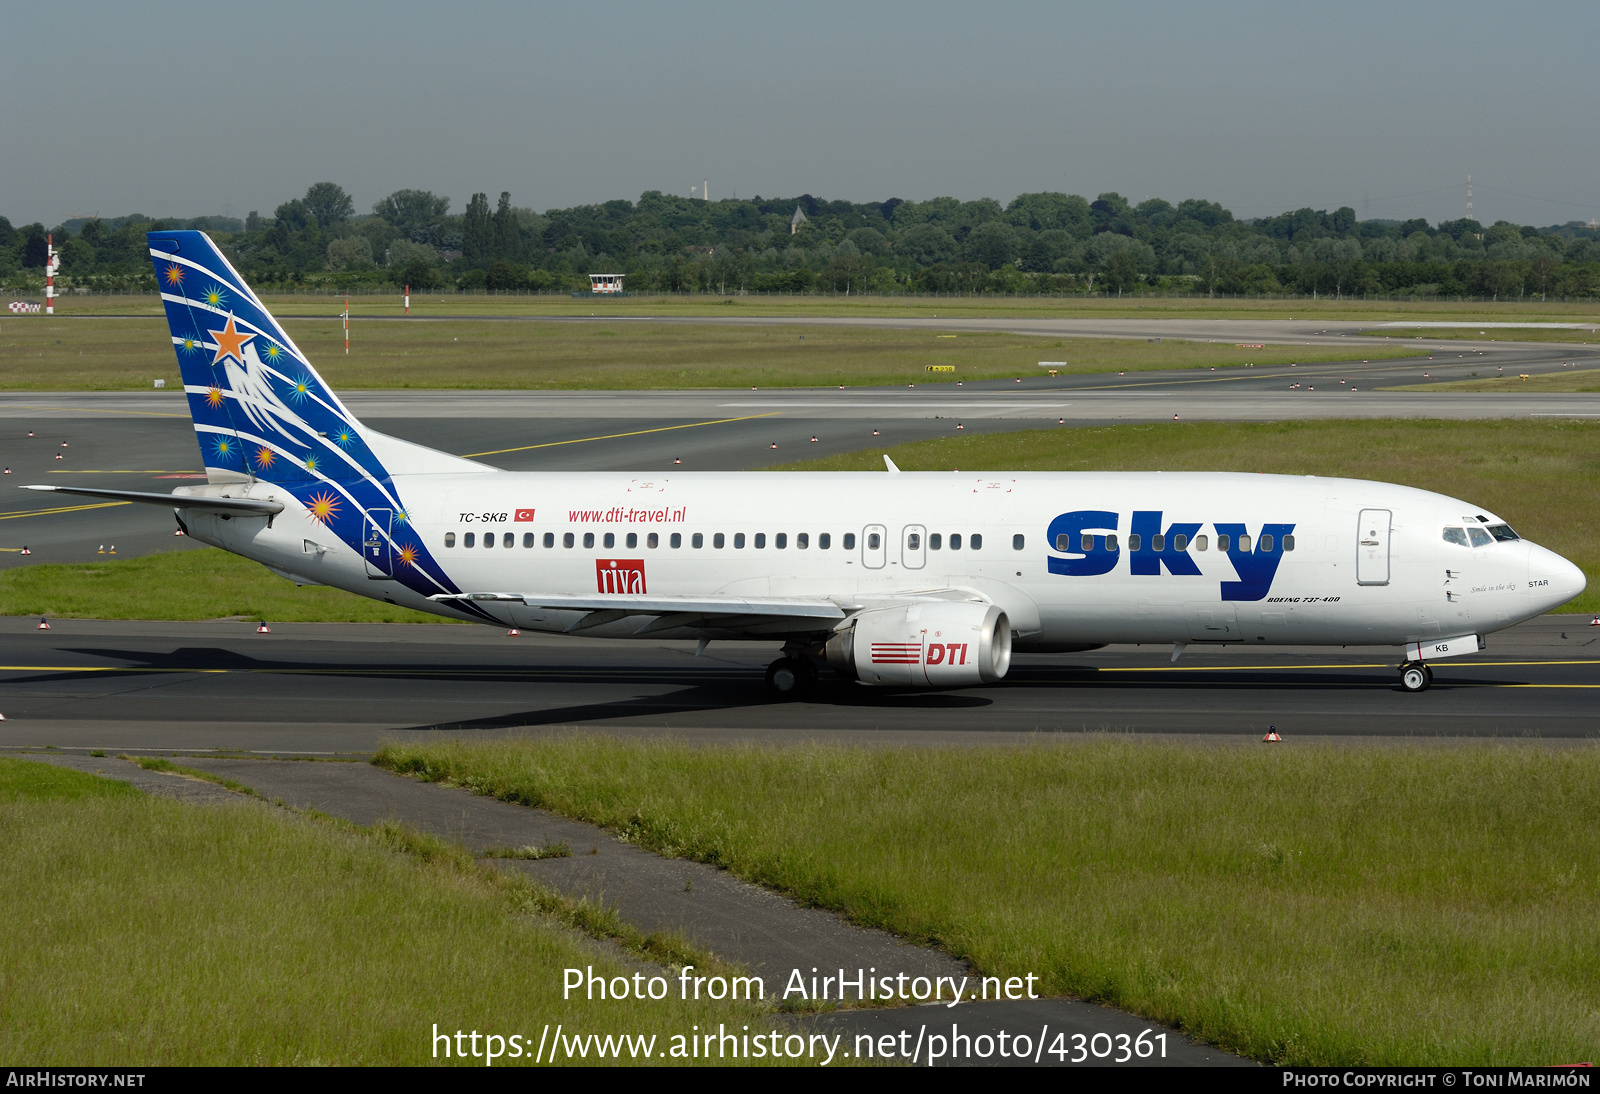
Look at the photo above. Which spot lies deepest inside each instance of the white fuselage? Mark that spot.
(1331, 587)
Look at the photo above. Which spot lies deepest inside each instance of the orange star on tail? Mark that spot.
(230, 343)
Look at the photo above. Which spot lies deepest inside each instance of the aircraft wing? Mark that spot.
(667, 612)
(176, 501)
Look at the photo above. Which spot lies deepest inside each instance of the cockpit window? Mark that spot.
(1503, 533)
(1479, 537)
(1455, 535)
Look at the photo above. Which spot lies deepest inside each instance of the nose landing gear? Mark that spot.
(1415, 676)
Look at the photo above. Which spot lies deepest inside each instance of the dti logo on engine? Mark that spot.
(620, 575)
(913, 653)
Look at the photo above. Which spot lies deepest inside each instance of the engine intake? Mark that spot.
(934, 644)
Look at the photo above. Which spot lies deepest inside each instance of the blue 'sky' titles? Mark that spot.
(1081, 537)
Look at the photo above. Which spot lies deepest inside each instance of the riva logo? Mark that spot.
(619, 575)
(1086, 542)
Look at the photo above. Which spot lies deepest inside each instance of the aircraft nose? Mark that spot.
(1564, 579)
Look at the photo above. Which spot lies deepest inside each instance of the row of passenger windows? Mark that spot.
(697, 540)
(1158, 542)
(1478, 537)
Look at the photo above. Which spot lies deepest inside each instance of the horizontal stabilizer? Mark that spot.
(174, 501)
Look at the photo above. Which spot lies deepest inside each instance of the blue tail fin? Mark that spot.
(260, 409)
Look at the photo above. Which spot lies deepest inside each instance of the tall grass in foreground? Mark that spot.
(1309, 905)
(141, 931)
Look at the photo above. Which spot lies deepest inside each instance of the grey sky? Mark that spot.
(189, 109)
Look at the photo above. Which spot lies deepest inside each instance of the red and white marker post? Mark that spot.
(347, 326)
(408, 299)
(50, 264)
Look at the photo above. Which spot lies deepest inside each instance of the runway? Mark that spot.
(328, 689)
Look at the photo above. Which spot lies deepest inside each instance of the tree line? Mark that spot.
(1038, 243)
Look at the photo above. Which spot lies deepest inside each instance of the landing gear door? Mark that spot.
(913, 546)
(874, 546)
(1372, 547)
(375, 546)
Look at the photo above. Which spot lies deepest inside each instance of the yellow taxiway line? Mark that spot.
(614, 436)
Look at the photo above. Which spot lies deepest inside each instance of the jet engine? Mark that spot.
(941, 643)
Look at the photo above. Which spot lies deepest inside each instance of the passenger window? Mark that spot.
(1063, 542)
(633, 540)
(549, 539)
(567, 540)
(1135, 541)
(717, 541)
(449, 539)
(527, 539)
(609, 541)
(1222, 542)
(955, 541)
(652, 540)
(1111, 543)
(676, 540)
(761, 541)
(588, 539)
(1018, 542)
(1266, 543)
(1086, 542)
(935, 541)
(824, 541)
(488, 539)
(1503, 533)
(801, 541)
(873, 541)
(738, 541)
(914, 542)
(781, 540)
(849, 541)
(1244, 544)
(1158, 543)
(469, 540)
(1480, 538)
(1201, 541)
(697, 541)
(1288, 543)
(1180, 543)
(508, 540)
(975, 541)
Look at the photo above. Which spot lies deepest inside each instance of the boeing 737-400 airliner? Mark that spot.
(910, 580)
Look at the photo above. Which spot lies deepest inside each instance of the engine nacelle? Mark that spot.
(942, 643)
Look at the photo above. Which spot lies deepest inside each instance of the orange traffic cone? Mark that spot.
(26, 551)
(1272, 734)
(1595, 622)
(43, 625)
(263, 629)
(512, 633)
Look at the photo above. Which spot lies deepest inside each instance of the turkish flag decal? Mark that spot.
(524, 515)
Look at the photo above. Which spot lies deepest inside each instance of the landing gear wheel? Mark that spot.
(790, 677)
(1415, 677)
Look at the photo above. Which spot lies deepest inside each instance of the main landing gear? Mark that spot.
(791, 676)
(1415, 676)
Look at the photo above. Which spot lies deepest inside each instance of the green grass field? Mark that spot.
(1542, 475)
(205, 583)
(128, 354)
(146, 932)
(948, 307)
(1300, 905)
